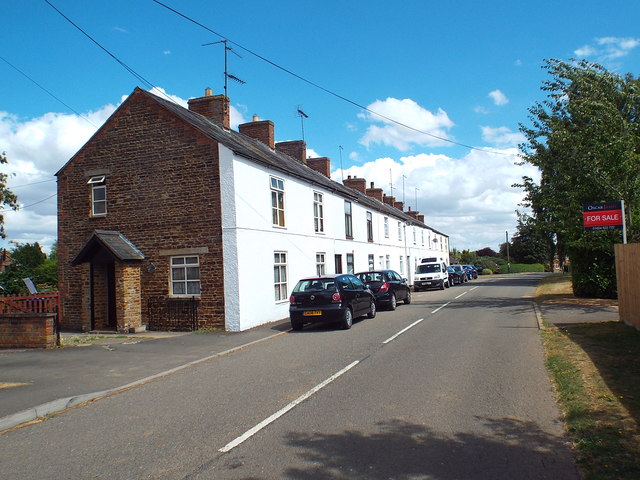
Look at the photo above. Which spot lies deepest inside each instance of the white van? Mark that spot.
(431, 275)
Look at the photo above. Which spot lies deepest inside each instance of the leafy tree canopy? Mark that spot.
(585, 140)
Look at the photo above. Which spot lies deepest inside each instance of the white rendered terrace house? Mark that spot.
(190, 208)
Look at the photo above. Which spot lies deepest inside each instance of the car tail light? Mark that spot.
(384, 287)
(336, 297)
(292, 299)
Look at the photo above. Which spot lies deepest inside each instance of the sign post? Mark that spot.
(605, 216)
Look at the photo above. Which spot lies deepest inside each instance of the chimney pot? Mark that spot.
(208, 92)
(256, 118)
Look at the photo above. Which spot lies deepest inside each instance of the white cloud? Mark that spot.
(409, 113)
(498, 97)
(471, 199)
(36, 149)
(502, 136)
(608, 48)
(166, 52)
(482, 110)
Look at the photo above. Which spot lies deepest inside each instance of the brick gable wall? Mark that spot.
(162, 179)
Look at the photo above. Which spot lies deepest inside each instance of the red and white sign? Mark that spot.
(603, 216)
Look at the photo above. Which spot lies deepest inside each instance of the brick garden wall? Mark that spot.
(162, 181)
(27, 330)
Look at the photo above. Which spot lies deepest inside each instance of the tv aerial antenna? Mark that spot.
(302, 116)
(227, 75)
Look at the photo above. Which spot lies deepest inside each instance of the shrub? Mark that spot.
(593, 269)
(486, 271)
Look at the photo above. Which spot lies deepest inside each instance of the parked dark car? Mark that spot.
(462, 272)
(471, 271)
(457, 276)
(387, 286)
(330, 298)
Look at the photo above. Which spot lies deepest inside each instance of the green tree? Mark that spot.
(585, 140)
(530, 244)
(7, 197)
(486, 252)
(26, 259)
(468, 257)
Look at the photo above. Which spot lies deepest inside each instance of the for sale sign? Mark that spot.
(603, 216)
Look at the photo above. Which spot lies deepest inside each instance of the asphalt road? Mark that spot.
(450, 387)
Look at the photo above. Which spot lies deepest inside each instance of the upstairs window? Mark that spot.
(98, 196)
(318, 212)
(369, 227)
(386, 227)
(348, 220)
(277, 201)
(185, 276)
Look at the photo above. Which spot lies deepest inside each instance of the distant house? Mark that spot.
(168, 219)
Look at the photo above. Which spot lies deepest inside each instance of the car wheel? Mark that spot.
(447, 285)
(372, 310)
(296, 324)
(442, 285)
(407, 299)
(347, 318)
(393, 303)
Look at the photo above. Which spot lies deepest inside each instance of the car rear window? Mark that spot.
(371, 277)
(315, 284)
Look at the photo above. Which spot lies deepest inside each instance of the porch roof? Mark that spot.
(115, 245)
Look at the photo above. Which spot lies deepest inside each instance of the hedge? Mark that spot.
(524, 267)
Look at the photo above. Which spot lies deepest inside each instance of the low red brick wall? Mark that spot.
(27, 330)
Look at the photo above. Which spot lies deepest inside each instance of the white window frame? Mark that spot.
(386, 227)
(402, 264)
(189, 265)
(277, 202)
(318, 212)
(400, 231)
(280, 289)
(98, 185)
(387, 262)
(348, 219)
(321, 264)
(369, 226)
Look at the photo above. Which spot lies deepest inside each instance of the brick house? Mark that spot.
(166, 211)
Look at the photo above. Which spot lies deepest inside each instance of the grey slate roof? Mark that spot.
(114, 244)
(259, 152)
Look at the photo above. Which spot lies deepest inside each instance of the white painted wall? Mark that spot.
(250, 240)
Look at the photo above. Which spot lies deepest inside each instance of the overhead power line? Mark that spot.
(320, 87)
(45, 90)
(124, 65)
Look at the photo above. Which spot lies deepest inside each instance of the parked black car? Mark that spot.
(387, 286)
(461, 273)
(457, 276)
(330, 298)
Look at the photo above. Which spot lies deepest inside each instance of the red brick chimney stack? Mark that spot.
(374, 192)
(214, 107)
(296, 149)
(262, 130)
(320, 164)
(356, 183)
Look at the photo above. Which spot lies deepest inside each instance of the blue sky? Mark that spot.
(465, 71)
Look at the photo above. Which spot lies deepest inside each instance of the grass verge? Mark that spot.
(596, 372)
